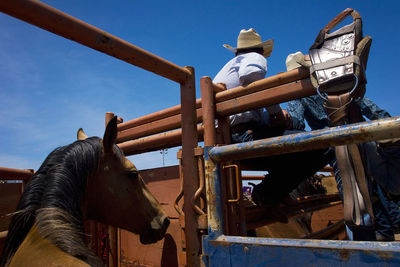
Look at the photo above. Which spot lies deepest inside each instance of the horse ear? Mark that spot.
(81, 134)
(110, 135)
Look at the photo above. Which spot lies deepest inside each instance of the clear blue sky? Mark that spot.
(50, 86)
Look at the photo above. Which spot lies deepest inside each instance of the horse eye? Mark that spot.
(133, 174)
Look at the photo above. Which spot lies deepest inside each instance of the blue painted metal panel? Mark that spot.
(248, 251)
(220, 250)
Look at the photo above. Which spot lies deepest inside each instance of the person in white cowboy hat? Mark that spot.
(248, 65)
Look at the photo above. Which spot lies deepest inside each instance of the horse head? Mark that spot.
(117, 195)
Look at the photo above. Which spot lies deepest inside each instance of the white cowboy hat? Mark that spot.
(251, 39)
(296, 60)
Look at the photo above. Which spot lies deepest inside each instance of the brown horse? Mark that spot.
(88, 179)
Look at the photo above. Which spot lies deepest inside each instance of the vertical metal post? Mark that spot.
(189, 167)
(208, 108)
(211, 138)
(113, 232)
(213, 194)
(234, 212)
(109, 116)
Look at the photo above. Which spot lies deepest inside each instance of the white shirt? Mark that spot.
(240, 71)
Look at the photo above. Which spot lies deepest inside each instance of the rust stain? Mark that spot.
(386, 256)
(344, 254)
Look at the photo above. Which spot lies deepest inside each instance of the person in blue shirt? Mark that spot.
(380, 162)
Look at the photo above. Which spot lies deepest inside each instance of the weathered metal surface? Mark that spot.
(171, 118)
(222, 95)
(156, 142)
(165, 124)
(164, 184)
(355, 133)
(237, 182)
(220, 87)
(213, 195)
(178, 207)
(208, 107)
(60, 23)
(228, 102)
(249, 251)
(165, 113)
(190, 168)
(267, 83)
(199, 191)
(220, 250)
(267, 97)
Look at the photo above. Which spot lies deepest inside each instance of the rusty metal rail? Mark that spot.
(387, 128)
(158, 130)
(156, 142)
(60, 23)
(223, 95)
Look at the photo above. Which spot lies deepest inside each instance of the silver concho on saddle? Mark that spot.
(339, 59)
(337, 71)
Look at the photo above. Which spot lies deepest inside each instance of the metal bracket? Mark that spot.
(237, 182)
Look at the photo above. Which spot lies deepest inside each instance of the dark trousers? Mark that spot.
(285, 171)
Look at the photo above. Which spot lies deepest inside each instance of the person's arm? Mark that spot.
(296, 112)
(253, 67)
(370, 110)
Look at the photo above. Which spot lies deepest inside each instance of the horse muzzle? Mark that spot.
(156, 231)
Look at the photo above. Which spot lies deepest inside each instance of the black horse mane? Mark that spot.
(53, 198)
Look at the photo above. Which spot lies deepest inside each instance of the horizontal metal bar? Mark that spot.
(15, 174)
(155, 127)
(60, 23)
(355, 133)
(327, 244)
(170, 118)
(264, 98)
(156, 142)
(251, 251)
(162, 114)
(301, 90)
(269, 82)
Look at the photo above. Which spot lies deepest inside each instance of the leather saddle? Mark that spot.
(337, 71)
